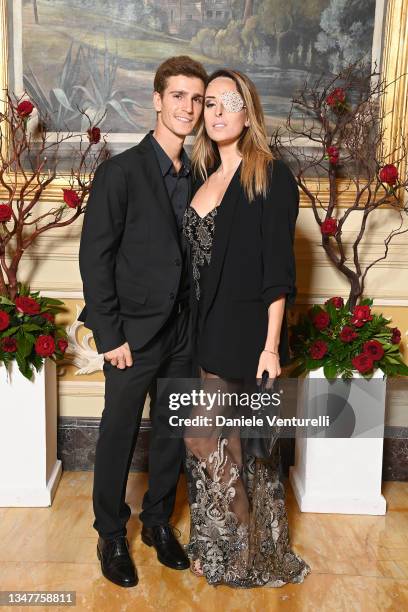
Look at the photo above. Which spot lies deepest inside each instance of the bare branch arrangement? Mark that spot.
(335, 129)
(29, 161)
(28, 166)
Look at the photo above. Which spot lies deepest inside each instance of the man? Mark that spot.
(133, 266)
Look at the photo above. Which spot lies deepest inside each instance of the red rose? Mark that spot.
(27, 305)
(321, 320)
(329, 227)
(389, 174)
(318, 349)
(48, 315)
(71, 198)
(44, 346)
(336, 96)
(396, 335)
(337, 302)
(348, 334)
(5, 213)
(94, 135)
(25, 108)
(361, 314)
(374, 349)
(333, 153)
(9, 345)
(62, 345)
(362, 362)
(4, 320)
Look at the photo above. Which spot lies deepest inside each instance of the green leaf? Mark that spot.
(402, 369)
(389, 359)
(394, 348)
(23, 289)
(31, 327)
(24, 366)
(25, 344)
(5, 300)
(330, 370)
(313, 364)
(10, 331)
(53, 301)
(37, 361)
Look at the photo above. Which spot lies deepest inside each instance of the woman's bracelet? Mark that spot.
(272, 352)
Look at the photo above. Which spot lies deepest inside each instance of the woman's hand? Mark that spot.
(268, 362)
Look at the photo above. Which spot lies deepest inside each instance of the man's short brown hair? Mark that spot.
(174, 66)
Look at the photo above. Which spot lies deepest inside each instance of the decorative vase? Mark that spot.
(29, 468)
(341, 474)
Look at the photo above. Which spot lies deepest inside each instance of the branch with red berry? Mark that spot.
(29, 166)
(335, 130)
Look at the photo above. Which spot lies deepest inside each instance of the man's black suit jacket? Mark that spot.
(130, 255)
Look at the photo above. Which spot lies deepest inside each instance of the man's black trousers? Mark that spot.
(167, 355)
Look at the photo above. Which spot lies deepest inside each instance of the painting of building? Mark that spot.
(185, 17)
(101, 55)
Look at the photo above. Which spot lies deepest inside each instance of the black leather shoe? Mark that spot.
(169, 550)
(116, 563)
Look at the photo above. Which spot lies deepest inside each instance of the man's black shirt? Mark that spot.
(178, 188)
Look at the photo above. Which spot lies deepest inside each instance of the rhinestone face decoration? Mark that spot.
(232, 101)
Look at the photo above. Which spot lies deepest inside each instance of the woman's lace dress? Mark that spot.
(239, 527)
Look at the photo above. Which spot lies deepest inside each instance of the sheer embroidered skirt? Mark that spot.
(239, 528)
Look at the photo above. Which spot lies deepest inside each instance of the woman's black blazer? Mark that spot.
(252, 264)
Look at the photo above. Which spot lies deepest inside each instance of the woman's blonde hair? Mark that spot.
(252, 144)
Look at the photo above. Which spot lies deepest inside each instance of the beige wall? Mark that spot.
(53, 267)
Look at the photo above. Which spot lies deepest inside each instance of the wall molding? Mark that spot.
(81, 389)
(77, 439)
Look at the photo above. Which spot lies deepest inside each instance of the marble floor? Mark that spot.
(359, 563)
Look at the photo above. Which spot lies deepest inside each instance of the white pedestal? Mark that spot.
(29, 468)
(339, 475)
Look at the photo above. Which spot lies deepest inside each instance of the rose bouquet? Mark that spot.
(28, 332)
(343, 341)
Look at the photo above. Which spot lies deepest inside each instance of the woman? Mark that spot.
(240, 226)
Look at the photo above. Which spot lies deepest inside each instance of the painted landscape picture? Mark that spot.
(101, 55)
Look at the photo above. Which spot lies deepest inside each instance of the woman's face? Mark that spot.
(224, 113)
